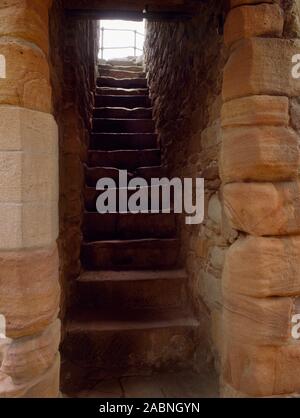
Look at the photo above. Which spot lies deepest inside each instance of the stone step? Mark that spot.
(123, 62)
(129, 102)
(125, 83)
(121, 141)
(132, 289)
(114, 91)
(141, 254)
(111, 226)
(132, 67)
(123, 126)
(121, 72)
(93, 174)
(122, 113)
(131, 342)
(124, 159)
(91, 195)
(151, 172)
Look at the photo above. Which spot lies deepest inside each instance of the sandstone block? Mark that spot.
(263, 209)
(211, 140)
(257, 321)
(262, 267)
(215, 210)
(211, 290)
(217, 334)
(295, 112)
(27, 130)
(292, 18)
(228, 392)
(248, 21)
(235, 3)
(202, 248)
(28, 177)
(264, 153)
(26, 19)
(256, 110)
(45, 386)
(27, 76)
(217, 257)
(28, 225)
(28, 357)
(261, 66)
(262, 371)
(29, 290)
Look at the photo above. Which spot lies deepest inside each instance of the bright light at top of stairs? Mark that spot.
(121, 39)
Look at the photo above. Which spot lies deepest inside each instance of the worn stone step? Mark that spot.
(131, 342)
(123, 62)
(93, 174)
(121, 141)
(123, 126)
(124, 159)
(122, 113)
(114, 91)
(91, 195)
(129, 102)
(121, 72)
(131, 67)
(128, 67)
(110, 226)
(131, 254)
(151, 172)
(125, 83)
(132, 289)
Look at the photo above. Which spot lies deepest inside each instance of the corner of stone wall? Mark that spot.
(259, 168)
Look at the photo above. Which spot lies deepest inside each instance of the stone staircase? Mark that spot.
(131, 315)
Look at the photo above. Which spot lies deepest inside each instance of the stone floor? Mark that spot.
(179, 385)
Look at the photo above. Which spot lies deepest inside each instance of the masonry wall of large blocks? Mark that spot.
(29, 286)
(259, 168)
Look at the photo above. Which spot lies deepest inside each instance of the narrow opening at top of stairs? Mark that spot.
(120, 40)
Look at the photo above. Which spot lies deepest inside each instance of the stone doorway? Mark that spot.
(225, 107)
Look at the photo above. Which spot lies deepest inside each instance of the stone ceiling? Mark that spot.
(95, 8)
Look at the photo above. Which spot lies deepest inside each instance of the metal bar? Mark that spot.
(135, 44)
(125, 30)
(102, 43)
(122, 47)
(122, 30)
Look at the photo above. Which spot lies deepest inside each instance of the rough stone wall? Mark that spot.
(257, 208)
(184, 61)
(260, 173)
(74, 49)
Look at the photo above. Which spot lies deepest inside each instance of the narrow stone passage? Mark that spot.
(131, 316)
